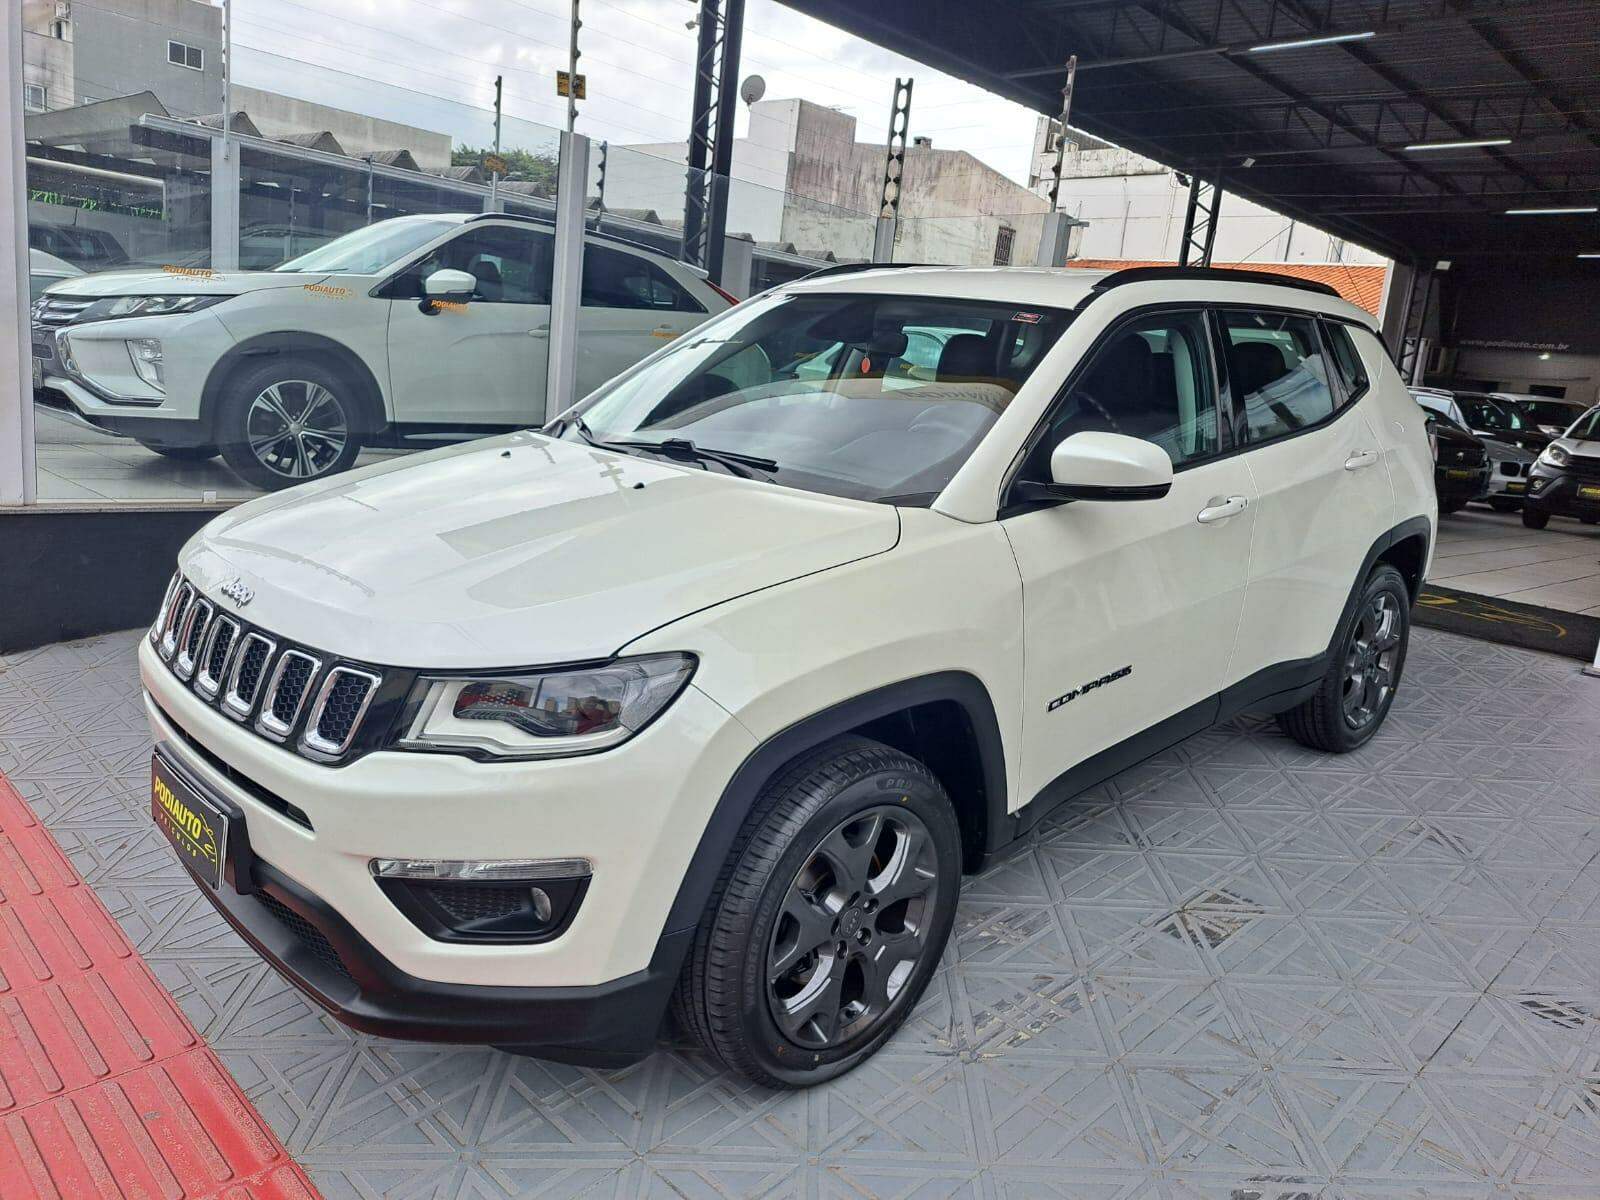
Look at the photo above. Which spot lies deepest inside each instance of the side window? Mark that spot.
(1351, 368)
(1276, 365)
(511, 265)
(1151, 380)
(616, 279)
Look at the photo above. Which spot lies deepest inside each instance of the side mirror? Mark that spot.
(1108, 466)
(447, 284)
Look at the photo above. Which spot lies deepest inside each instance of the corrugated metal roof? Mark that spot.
(1317, 132)
(1360, 284)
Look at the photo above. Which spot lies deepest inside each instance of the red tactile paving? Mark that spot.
(106, 1090)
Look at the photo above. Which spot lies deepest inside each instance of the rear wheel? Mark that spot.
(828, 919)
(1534, 518)
(287, 422)
(1354, 696)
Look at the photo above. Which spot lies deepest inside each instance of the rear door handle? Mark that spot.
(1359, 459)
(1231, 507)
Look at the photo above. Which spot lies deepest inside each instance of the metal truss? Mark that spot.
(716, 88)
(1419, 299)
(1200, 222)
(894, 169)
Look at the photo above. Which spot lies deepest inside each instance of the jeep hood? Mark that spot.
(516, 551)
(180, 282)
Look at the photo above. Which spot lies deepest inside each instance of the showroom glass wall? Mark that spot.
(236, 310)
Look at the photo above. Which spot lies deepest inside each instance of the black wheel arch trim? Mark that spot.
(268, 345)
(740, 794)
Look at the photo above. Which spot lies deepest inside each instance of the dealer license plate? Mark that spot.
(1589, 493)
(197, 829)
(1518, 486)
(1459, 474)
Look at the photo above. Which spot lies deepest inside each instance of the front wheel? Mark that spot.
(1354, 696)
(286, 422)
(828, 919)
(1534, 518)
(1451, 506)
(1501, 504)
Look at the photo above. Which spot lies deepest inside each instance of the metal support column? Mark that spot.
(894, 170)
(716, 90)
(16, 354)
(1200, 222)
(1061, 130)
(1413, 346)
(566, 285)
(225, 183)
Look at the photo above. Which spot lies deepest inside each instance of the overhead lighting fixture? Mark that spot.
(1596, 254)
(1327, 40)
(1462, 144)
(1574, 210)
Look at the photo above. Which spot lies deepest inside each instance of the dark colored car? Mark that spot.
(1565, 481)
(90, 249)
(1460, 463)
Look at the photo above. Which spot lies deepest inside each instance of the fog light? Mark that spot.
(509, 900)
(148, 361)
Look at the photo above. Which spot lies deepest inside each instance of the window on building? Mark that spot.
(35, 97)
(1003, 238)
(58, 30)
(182, 55)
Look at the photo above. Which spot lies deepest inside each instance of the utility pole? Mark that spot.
(494, 176)
(1061, 133)
(572, 70)
(894, 169)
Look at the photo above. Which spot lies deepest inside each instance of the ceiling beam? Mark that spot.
(1561, 103)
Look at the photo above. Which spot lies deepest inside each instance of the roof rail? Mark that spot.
(1229, 274)
(592, 227)
(852, 268)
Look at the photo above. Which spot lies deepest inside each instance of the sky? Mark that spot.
(432, 63)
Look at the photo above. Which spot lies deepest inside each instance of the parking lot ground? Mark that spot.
(1241, 968)
(1492, 554)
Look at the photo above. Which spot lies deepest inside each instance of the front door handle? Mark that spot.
(539, 331)
(1222, 510)
(1359, 459)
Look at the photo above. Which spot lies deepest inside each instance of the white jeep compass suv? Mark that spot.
(415, 329)
(712, 690)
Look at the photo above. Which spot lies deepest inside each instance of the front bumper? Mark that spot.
(1561, 492)
(1513, 486)
(95, 372)
(324, 956)
(1461, 483)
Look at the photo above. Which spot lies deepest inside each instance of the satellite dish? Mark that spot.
(753, 89)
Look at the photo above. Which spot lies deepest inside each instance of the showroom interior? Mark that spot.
(1232, 968)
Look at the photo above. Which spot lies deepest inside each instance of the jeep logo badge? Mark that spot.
(237, 590)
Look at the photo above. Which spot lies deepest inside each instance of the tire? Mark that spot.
(850, 801)
(1534, 518)
(1590, 520)
(1451, 506)
(1500, 504)
(270, 399)
(1355, 694)
(182, 453)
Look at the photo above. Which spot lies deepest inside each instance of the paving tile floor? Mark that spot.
(1240, 970)
(1492, 554)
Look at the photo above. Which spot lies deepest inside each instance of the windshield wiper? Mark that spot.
(736, 463)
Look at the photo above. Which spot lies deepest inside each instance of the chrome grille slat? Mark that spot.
(175, 618)
(336, 714)
(285, 694)
(283, 691)
(213, 663)
(248, 673)
(193, 637)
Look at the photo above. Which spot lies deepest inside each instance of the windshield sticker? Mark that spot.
(1027, 318)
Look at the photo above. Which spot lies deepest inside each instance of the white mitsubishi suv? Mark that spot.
(411, 330)
(712, 690)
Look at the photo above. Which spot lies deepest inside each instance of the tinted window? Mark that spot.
(1349, 361)
(617, 279)
(1151, 380)
(1277, 370)
(511, 265)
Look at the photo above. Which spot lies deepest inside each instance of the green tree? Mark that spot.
(524, 166)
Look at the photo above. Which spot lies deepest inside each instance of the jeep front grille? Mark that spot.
(286, 693)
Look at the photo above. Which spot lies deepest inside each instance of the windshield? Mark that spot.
(1483, 413)
(872, 397)
(368, 251)
(1587, 427)
(1542, 412)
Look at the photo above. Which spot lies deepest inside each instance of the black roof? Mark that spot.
(1326, 125)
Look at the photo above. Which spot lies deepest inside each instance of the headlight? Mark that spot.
(1554, 456)
(147, 306)
(546, 714)
(148, 361)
